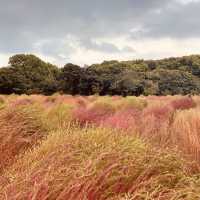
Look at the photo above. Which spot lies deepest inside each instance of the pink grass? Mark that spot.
(183, 103)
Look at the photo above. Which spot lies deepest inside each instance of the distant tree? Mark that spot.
(151, 64)
(28, 74)
(70, 78)
(127, 86)
(176, 82)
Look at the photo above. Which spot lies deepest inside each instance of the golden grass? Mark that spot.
(92, 148)
(185, 132)
(58, 116)
(98, 163)
(20, 128)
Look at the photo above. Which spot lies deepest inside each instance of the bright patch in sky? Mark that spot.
(4, 59)
(188, 1)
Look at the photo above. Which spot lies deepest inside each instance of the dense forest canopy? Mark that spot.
(28, 74)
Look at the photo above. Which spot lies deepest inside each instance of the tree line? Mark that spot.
(28, 74)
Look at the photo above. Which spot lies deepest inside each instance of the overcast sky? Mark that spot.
(90, 31)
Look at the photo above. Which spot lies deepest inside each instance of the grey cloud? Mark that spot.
(102, 46)
(105, 47)
(128, 49)
(178, 21)
(27, 22)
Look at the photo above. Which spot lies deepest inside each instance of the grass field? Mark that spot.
(95, 148)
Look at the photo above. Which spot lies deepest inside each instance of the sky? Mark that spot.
(91, 31)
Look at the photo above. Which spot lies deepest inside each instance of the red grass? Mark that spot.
(160, 112)
(22, 102)
(126, 120)
(155, 123)
(70, 161)
(95, 113)
(95, 164)
(183, 103)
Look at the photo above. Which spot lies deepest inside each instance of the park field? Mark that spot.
(64, 147)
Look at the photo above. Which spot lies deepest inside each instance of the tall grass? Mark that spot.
(155, 123)
(58, 116)
(95, 112)
(183, 103)
(21, 127)
(95, 148)
(129, 103)
(98, 164)
(124, 120)
(185, 132)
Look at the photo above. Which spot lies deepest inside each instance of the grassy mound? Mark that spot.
(21, 127)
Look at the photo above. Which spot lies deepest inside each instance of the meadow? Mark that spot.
(64, 147)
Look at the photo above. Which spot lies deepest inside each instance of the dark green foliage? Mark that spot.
(29, 74)
(171, 82)
(70, 79)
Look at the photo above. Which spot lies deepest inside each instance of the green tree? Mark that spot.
(28, 74)
(70, 78)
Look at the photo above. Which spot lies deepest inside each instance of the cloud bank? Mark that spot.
(89, 31)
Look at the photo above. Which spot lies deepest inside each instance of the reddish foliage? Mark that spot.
(159, 112)
(91, 115)
(183, 103)
(155, 122)
(22, 102)
(124, 120)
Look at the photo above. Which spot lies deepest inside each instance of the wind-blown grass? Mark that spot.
(98, 163)
(95, 148)
(21, 127)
